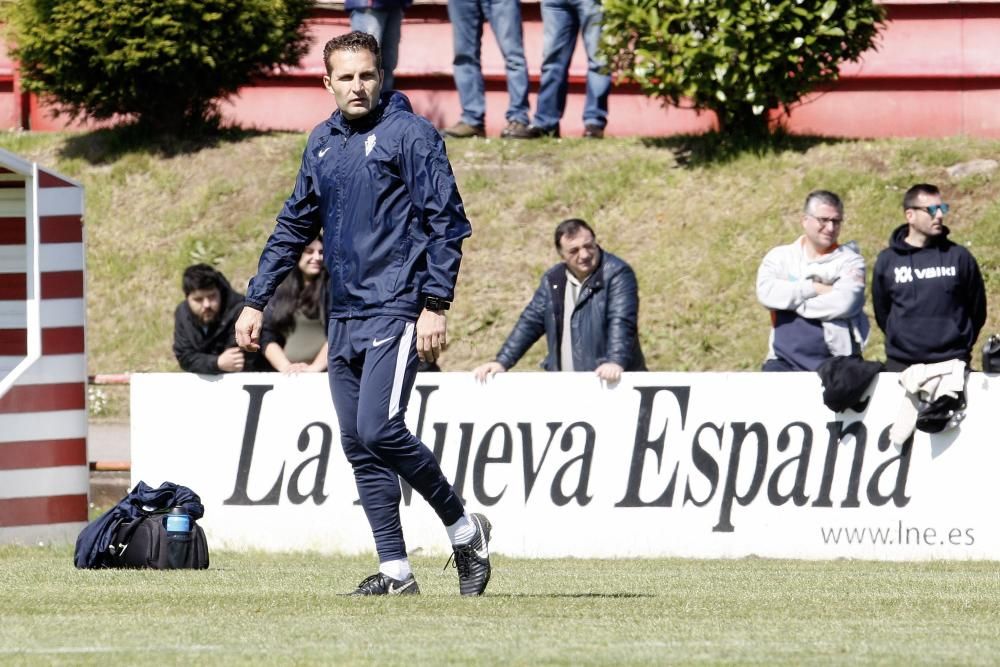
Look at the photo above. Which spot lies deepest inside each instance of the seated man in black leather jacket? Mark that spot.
(588, 308)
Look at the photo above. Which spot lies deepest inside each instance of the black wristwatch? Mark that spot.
(436, 303)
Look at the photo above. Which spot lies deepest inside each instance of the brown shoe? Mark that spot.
(516, 130)
(462, 130)
(593, 132)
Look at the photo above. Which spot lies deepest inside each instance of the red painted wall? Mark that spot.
(936, 72)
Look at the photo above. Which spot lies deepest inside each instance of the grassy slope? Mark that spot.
(694, 228)
(254, 608)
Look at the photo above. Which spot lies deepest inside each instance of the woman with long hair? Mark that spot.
(294, 335)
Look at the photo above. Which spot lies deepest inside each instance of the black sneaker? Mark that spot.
(472, 560)
(381, 584)
(593, 132)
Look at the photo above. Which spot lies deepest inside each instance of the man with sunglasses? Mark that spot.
(927, 292)
(815, 289)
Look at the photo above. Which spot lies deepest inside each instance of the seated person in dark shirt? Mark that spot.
(204, 337)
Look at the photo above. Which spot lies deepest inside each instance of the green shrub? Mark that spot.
(162, 63)
(737, 58)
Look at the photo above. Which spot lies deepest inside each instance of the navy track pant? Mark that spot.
(372, 367)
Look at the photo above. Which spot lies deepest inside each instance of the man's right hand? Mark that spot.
(489, 369)
(248, 328)
(231, 361)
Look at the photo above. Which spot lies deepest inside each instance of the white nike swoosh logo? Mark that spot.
(400, 589)
(376, 342)
(483, 553)
(322, 151)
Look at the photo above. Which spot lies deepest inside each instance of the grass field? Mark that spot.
(258, 608)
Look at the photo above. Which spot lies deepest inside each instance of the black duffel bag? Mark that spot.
(145, 542)
(152, 528)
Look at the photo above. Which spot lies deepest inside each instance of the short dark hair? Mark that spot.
(911, 196)
(352, 41)
(570, 228)
(823, 197)
(201, 276)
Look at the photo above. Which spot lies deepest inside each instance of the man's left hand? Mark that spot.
(609, 372)
(432, 334)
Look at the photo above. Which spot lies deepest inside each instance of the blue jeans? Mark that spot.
(384, 25)
(561, 21)
(504, 16)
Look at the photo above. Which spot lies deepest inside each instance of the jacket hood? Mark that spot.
(390, 102)
(897, 240)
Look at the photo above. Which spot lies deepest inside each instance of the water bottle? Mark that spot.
(178, 521)
(178, 525)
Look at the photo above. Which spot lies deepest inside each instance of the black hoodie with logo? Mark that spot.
(930, 301)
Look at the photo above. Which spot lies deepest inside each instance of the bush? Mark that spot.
(737, 58)
(164, 63)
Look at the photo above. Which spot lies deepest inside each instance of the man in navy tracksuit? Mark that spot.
(375, 178)
(927, 292)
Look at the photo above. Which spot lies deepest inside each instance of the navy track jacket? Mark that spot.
(930, 302)
(382, 191)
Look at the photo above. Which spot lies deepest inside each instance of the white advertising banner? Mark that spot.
(661, 464)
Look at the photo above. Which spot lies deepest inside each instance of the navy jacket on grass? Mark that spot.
(930, 301)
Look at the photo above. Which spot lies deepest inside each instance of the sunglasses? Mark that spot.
(933, 209)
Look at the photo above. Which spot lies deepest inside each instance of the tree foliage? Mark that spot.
(737, 58)
(164, 63)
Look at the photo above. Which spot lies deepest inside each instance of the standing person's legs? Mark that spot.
(385, 26)
(559, 30)
(505, 20)
(389, 371)
(595, 109)
(390, 368)
(378, 486)
(467, 18)
(391, 35)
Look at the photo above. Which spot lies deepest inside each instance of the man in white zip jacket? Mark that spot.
(815, 289)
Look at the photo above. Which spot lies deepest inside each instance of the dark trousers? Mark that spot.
(372, 367)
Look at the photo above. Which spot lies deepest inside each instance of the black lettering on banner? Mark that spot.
(898, 495)
(239, 495)
(585, 459)
(483, 458)
(322, 460)
(644, 442)
(464, 445)
(705, 464)
(425, 393)
(798, 492)
(729, 494)
(838, 433)
(528, 459)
